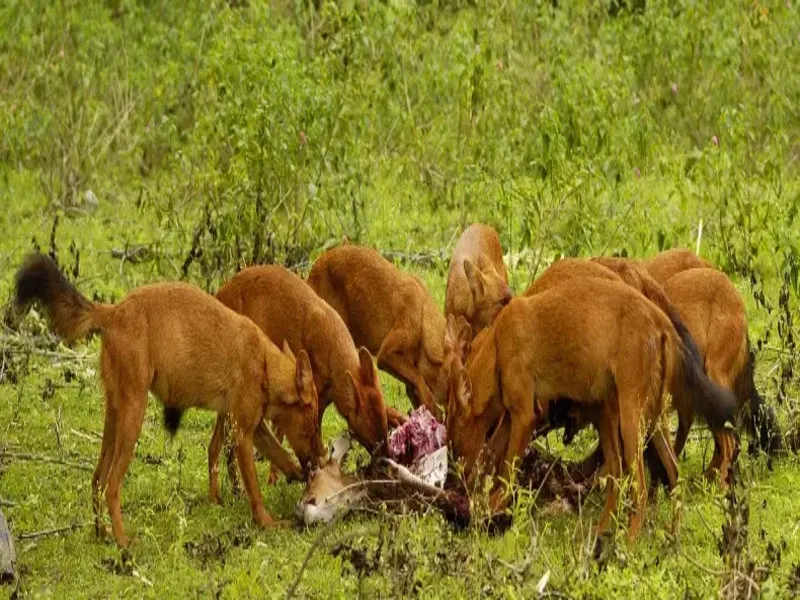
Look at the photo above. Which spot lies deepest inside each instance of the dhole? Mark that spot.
(189, 350)
(715, 314)
(664, 265)
(725, 349)
(287, 309)
(477, 284)
(392, 314)
(634, 275)
(597, 342)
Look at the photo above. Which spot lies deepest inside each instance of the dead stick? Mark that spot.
(48, 532)
(92, 436)
(9, 503)
(314, 545)
(45, 459)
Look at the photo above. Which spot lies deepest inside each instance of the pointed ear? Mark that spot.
(464, 389)
(474, 279)
(367, 368)
(458, 336)
(288, 351)
(354, 388)
(451, 332)
(304, 378)
(464, 337)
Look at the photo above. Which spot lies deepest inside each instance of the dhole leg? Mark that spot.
(663, 448)
(271, 448)
(233, 473)
(608, 432)
(633, 462)
(724, 441)
(518, 394)
(247, 466)
(129, 419)
(214, 450)
(103, 463)
(724, 454)
(275, 472)
(392, 358)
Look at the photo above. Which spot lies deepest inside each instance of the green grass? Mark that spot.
(214, 136)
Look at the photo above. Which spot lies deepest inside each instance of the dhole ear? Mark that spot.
(464, 389)
(458, 335)
(355, 388)
(450, 331)
(464, 337)
(367, 368)
(304, 378)
(474, 279)
(288, 351)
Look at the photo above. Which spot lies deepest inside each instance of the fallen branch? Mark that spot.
(8, 503)
(314, 545)
(45, 459)
(92, 436)
(56, 531)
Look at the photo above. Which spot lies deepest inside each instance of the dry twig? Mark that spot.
(56, 531)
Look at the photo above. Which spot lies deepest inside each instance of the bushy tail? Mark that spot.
(72, 316)
(715, 404)
(761, 420)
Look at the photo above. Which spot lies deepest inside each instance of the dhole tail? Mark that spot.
(761, 422)
(715, 404)
(653, 292)
(72, 316)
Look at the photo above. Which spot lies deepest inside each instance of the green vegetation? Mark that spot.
(142, 141)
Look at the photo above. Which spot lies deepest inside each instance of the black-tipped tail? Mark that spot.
(761, 420)
(764, 424)
(71, 315)
(172, 419)
(715, 404)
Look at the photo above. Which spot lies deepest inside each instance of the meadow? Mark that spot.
(143, 141)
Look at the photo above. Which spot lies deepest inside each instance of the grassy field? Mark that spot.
(144, 141)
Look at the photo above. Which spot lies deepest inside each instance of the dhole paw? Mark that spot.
(263, 519)
(274, 475)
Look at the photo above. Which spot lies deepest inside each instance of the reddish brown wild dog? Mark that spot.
(597, 342)
(287, 309)
(714, 313)
(190, 351)
(392, 314)
(683, 401)
(665, 264)
(477, 284)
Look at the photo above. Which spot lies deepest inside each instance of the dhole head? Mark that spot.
(490, 293)
(469, 426)
(370, 427)
(299, 417)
